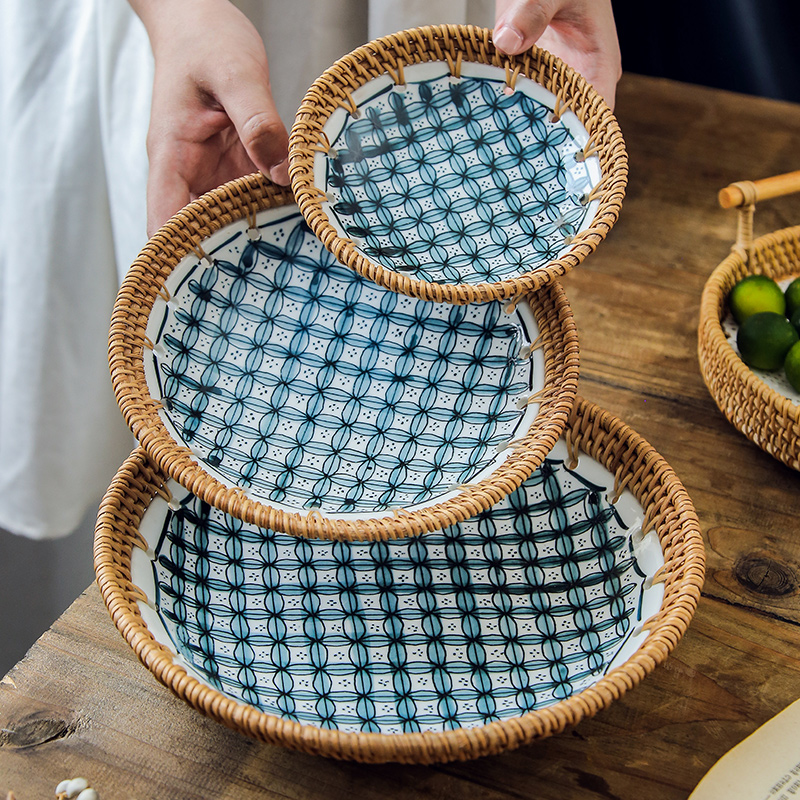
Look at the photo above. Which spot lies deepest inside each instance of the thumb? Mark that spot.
(252, 110)
(518, 25)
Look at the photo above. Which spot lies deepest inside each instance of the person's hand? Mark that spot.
(580, 32)
(213, 117)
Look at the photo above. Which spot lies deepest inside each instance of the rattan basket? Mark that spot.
(764, 415)
(635, 470)
(535, 421)
(385, 203)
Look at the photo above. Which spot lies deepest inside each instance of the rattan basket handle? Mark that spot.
(745, 194)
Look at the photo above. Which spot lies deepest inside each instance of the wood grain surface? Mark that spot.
(81, 704)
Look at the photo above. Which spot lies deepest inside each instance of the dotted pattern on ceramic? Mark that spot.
(458, 181)
(292, 376)
(121, 547)
(412, 156)
(220, 378)
(509, 612)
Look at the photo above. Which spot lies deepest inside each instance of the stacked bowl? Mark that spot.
(368, 516)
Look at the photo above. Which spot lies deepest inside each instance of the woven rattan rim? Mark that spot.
(592, 430)
(763, 415)
(454, 43)
(237, 200)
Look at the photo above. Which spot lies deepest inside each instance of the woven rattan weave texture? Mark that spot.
(596, 605)
(763, 415)
(308, 372)
(451, 183)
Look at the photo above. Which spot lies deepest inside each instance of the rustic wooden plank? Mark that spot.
(81, 704)
(636, 302)
(126, 733)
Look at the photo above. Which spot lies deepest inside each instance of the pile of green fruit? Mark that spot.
(769, 325)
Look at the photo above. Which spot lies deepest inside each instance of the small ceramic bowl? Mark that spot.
(439, 167)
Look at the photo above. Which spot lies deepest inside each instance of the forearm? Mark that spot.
(166, 19)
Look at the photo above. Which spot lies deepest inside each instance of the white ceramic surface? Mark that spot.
(511, 611)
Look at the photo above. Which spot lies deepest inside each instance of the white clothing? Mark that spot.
(66, 151)
(75, 79)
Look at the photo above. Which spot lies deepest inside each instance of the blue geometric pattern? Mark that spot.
(456, 181)
(286, 372)
(508, 612)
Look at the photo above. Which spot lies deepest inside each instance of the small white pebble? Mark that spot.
(75, 786)
(62, 787)
(88, 794)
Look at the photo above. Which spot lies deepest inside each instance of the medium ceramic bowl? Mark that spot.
(282, 387)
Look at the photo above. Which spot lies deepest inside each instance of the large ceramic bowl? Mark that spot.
(439, 167)
(496, 631)
(285, 389)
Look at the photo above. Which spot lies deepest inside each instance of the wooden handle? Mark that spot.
(748, 192)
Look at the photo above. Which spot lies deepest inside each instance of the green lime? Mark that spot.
(753, 294)
(791, 366)
(764, 340)
(795, 320)
(792, 295)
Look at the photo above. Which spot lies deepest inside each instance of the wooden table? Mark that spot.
(81, 704)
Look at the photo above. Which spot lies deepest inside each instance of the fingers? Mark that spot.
(194, 147)
(520, 23)
(212, 116)
(263, 135)
(604, 78)
(167, 193)
(581, 33)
